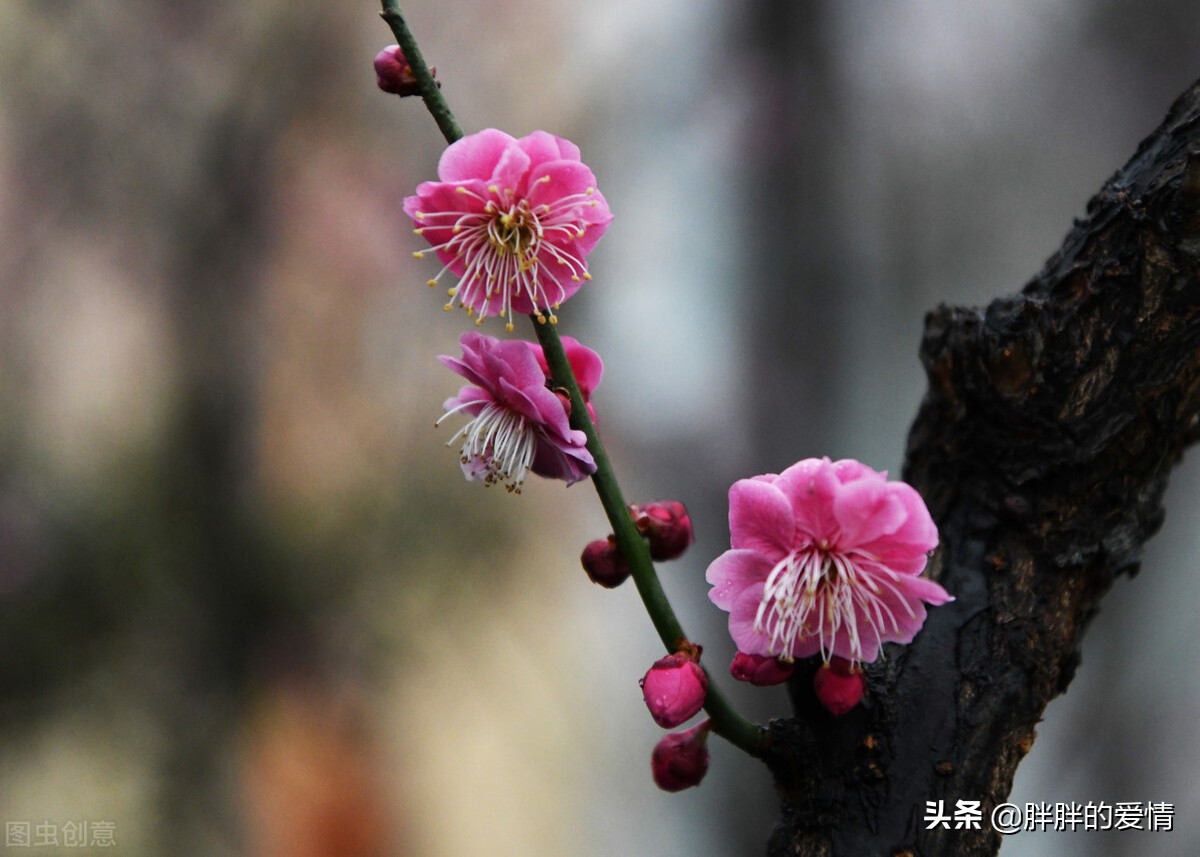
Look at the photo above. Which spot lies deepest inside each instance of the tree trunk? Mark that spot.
(1043, 448)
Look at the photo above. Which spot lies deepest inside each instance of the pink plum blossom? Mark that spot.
(393, 73)
(680, 760)
(518, 425)
(674, 689)
(604, 563)
(825, 558)
(839, 686)
(513, 219)
(760, 670)
(666, 525)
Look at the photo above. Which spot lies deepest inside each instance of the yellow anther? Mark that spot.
(544, 180)
(574, 278)
(507, 220)
(417, 254)
(509, 327)
(479, 321)
(420, 215)
(553, 319)
(420, 231)
(556, 305)
(579, 234)
(456, 228)
(590, 191)
(493, 189)
(431, 283)
(541, 319)
(586, 275)
(460, 189)
(451, 291)
(448, 307)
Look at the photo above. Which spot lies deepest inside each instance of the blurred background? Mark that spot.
(248, 606)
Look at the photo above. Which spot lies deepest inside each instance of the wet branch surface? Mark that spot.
(1043, 448)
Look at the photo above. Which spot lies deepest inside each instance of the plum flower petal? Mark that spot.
(513, 219)
(585, 366)
(825, 558)
(518, 425)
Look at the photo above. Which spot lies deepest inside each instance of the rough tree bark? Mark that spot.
(1043, 447)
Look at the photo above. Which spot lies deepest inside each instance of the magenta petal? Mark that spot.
(811, 485)
(760, 519)
(866, 510)
(585, 364)
(551, 182)
(929, 591)
(742, 614)
(733, 572)
(542, 146)
(474, 156)
(511, 174)
(849, 470)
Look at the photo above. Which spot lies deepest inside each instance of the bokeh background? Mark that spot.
(247, 604)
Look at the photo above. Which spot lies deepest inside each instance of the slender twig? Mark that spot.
(430, 92)
(725, 720)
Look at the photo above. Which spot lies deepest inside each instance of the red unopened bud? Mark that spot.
(604, 563)
(761, 670)
(674, 689)
(394, 74)
(667, 525)
(680, 760)
(839, 686)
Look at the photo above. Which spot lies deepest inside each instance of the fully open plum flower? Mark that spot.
(519, 425)
(825, 558)
(513, 219)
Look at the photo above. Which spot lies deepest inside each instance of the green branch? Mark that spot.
(725, 720)
(435, 102)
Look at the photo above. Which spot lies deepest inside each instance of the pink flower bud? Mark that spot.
(674, 689)
(680, 760)
(394, 74)
(604, 563)
(667, 525)
(761, 670)
(839, 686)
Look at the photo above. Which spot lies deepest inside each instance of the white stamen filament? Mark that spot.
(820, 593)
(505, 247)
(499, 440)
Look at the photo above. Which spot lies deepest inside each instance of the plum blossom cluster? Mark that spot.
(513, 219)
(825, 559)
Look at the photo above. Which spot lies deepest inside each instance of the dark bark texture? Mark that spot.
(1043, 447)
